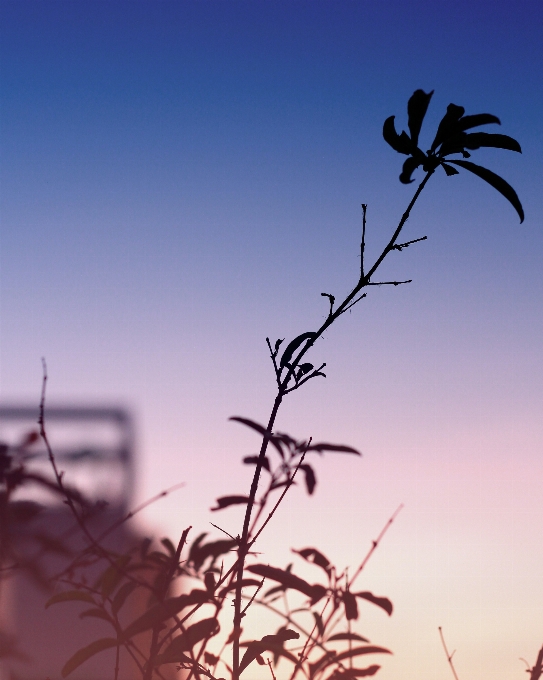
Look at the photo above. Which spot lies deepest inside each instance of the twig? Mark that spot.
(399, 246)
(389, 283)
(375, 544)
(363, 242)
(449, 656)
(287, 487)
(271, 669)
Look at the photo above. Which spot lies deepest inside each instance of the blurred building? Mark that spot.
(94, 447)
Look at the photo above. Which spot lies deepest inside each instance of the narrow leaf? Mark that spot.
(351, 608)
(400, 143)
(272, 643)
(70, 596)
(168, 545)
(450, 171)
(113, 575)
(246, 583)
(322, 447)
(358, 651)
(293, 346)
(250, 423)
(226, 501)
(416, 110)
(408, 168)
(253, 460)
(355, 672)
(468, 122)
(495, 181)
(121, 595)
(86, 653)
(449, 125)
(213, 550)
(289, 580)
(347, 636)
(95, 613)
(162, 611)
(310, 478)
(382, 602)
(476, 140)
(319, 623)
(201, 630)
(261, 430)
(315, 557)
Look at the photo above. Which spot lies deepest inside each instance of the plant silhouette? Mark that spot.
(316, 635)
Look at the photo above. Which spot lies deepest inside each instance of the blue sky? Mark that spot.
(181, 179)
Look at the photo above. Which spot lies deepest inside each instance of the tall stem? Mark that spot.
(243, 546)
(244, 539)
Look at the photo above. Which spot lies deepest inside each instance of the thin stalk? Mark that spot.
(364, 280)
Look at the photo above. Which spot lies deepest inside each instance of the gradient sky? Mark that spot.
(181, 179)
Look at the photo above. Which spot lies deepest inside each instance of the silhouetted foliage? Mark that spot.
(194, 630)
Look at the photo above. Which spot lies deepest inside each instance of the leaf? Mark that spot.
(293, 346)
(201, 630)
(351, 608)
(305, 368)
(310, 478)
(246, 583)
(211, 659)
(449, 125)
(168, 545)
(113, 575)
(476, 140)
(408, 168)
(121, 595)
(95, 613)
(400, 143)
(272, 643)
(250, 423)
(70, 596)
(253, 460)
(325, 660)
(467, 122)
(313, 556)
(276, 441)
(209, 580)
(226, 501)
(347, 636)
(416, 110)
(144, 547)
(196, 547)
(450, 171)
(382, 602)
(213, 550)
(358, 651)
(319, 623)
(495, 181)
(83, 654)
(162, 611)
(288, 580)
(322, 447)
(355, 672)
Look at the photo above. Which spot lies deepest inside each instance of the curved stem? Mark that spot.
(282, 390)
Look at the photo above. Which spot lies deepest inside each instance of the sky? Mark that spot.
(180, 180)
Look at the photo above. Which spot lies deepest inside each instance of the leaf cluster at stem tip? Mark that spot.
(451, 138)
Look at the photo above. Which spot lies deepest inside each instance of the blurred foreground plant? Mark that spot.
(316, 635)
